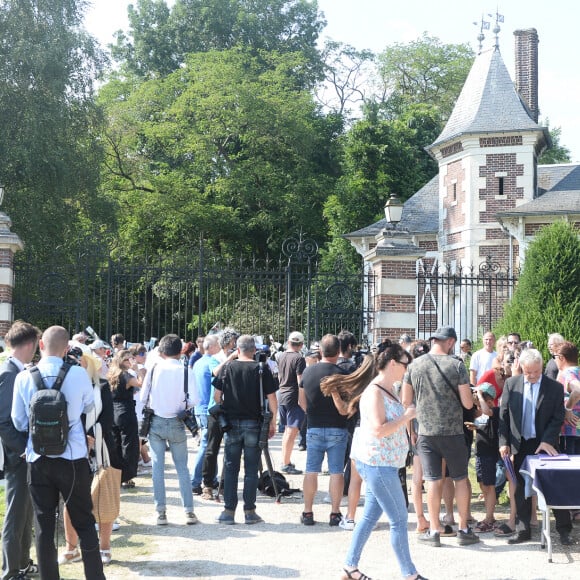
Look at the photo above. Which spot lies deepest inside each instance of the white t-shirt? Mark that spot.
(482, 361)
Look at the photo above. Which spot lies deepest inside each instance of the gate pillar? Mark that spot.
(10, 243)
(394, 263)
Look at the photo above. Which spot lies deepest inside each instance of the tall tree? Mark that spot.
(49, 158)
(160, 38)
(557, 153)
(223, 147)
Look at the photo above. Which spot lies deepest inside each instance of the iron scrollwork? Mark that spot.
(300, 249)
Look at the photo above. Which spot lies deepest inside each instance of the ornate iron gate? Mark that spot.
(469, 299)
(190, 295)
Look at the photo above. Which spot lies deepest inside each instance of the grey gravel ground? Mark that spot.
(283, 548)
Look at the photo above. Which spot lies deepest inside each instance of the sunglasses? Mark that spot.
(513, 342)
(404, 363)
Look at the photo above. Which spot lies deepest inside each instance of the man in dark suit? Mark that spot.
(22, 338)
(531, 416)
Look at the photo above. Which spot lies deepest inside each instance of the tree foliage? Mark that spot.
(48, 121)
(423, 72)
(223, 147)
(557, 153)
(160, 38)
(546, 299)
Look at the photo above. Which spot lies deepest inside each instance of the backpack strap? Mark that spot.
(39, 381)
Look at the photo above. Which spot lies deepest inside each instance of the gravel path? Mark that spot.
(283, 548)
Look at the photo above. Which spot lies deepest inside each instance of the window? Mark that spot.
(501, 186)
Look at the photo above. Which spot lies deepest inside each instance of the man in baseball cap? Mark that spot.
(291, 365)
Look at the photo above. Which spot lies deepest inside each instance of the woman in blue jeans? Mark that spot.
(379, 448)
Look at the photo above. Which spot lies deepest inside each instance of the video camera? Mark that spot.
(218, 413)
(188, 418)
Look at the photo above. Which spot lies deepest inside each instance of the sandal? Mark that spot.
(423, 529)
(349, 575)
(106, 557)
(503, 531)
(31, 569)
(483, 527)
(69, 557)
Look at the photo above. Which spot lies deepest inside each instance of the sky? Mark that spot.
(374, 24)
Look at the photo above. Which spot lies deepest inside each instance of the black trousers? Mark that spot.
(126, 433)
(524, 504)
(17, 528)
(214, 441)
(49, 478)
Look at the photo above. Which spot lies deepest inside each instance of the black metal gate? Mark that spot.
(189, 295)
(469, 299)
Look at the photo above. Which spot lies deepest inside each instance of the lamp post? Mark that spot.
(393, 209)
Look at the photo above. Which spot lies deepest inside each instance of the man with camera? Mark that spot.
(240, 387)
(169, 391)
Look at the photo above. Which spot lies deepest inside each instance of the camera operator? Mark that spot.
(164, 392)
(238, 389)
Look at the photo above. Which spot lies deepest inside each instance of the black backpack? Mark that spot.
(266, 486)
(48, 423)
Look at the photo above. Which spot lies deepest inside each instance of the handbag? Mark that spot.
(148, 412)
(106, 491)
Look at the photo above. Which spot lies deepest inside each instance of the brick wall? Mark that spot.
(532, 229)
(452, 149)
(450, 255)
(499, 163)
(396, 303)
(5, 293)
(500, 141)
(496, 234)
(6, 258)
(454, 204)
(526, 67)
(392, 269)
(428, 246)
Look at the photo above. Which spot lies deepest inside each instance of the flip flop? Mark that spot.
(503, 531)
(447, 532)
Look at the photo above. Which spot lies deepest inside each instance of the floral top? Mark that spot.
(390, 451)
(565, 377)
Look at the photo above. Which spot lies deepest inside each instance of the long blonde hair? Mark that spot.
(93, 368)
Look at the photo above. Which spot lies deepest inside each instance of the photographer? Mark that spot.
(238, 389)
(164, 392)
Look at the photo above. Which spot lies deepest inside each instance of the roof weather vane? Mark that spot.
(496, 28)
(483, 25)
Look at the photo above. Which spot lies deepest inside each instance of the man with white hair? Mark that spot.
(531, 416)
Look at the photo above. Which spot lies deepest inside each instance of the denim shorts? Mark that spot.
(485, 469)
(329, 440)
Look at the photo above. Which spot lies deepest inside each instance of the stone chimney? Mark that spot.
(526, 64)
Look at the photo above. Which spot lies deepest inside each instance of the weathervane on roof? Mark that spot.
(496, 28)
(483, 25)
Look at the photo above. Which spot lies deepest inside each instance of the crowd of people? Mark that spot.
(369, 417)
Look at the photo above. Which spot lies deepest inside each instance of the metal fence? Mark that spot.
(469, 299)
(189, 295)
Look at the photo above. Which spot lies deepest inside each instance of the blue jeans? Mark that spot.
(198, 467)
(173, 432)
(383, 495)
(244, 435)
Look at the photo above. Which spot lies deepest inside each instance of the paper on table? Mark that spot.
(561, 457)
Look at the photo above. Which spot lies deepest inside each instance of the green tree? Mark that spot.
(160, 38)
(546, 298)
(557, 153)
(223, 147)
(48, 121)
(424, 71)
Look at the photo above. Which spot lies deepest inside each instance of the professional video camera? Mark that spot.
(189, 420)
(218, 413)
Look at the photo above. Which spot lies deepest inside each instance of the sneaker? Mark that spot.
(347, 524)
(161, 519)
(116, 525)
(196, 490)
(146, 463)
(106, 557)
(290, 469)
(307, 519)
(301, 447)
(190, 518)
(30, 570)
(335, 519)
(251, 517)
(430, 538)
(207, 494)
(226, 517)
(467, 538)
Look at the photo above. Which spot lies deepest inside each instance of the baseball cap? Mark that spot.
(444, 333)
(487, 389)
(296, 337)
(98, 344)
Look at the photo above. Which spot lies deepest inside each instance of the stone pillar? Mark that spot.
(394, 263)
(10, 243)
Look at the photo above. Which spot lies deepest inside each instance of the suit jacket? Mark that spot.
(13, 441)
(549, 412)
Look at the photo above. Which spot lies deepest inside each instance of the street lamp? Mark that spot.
(393, 209)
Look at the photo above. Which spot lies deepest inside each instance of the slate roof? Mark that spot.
(558, 192)
(420, 214)
(488, 103)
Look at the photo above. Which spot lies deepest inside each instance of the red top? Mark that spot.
(489, 377)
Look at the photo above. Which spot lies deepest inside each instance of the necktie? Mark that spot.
(528, 413)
